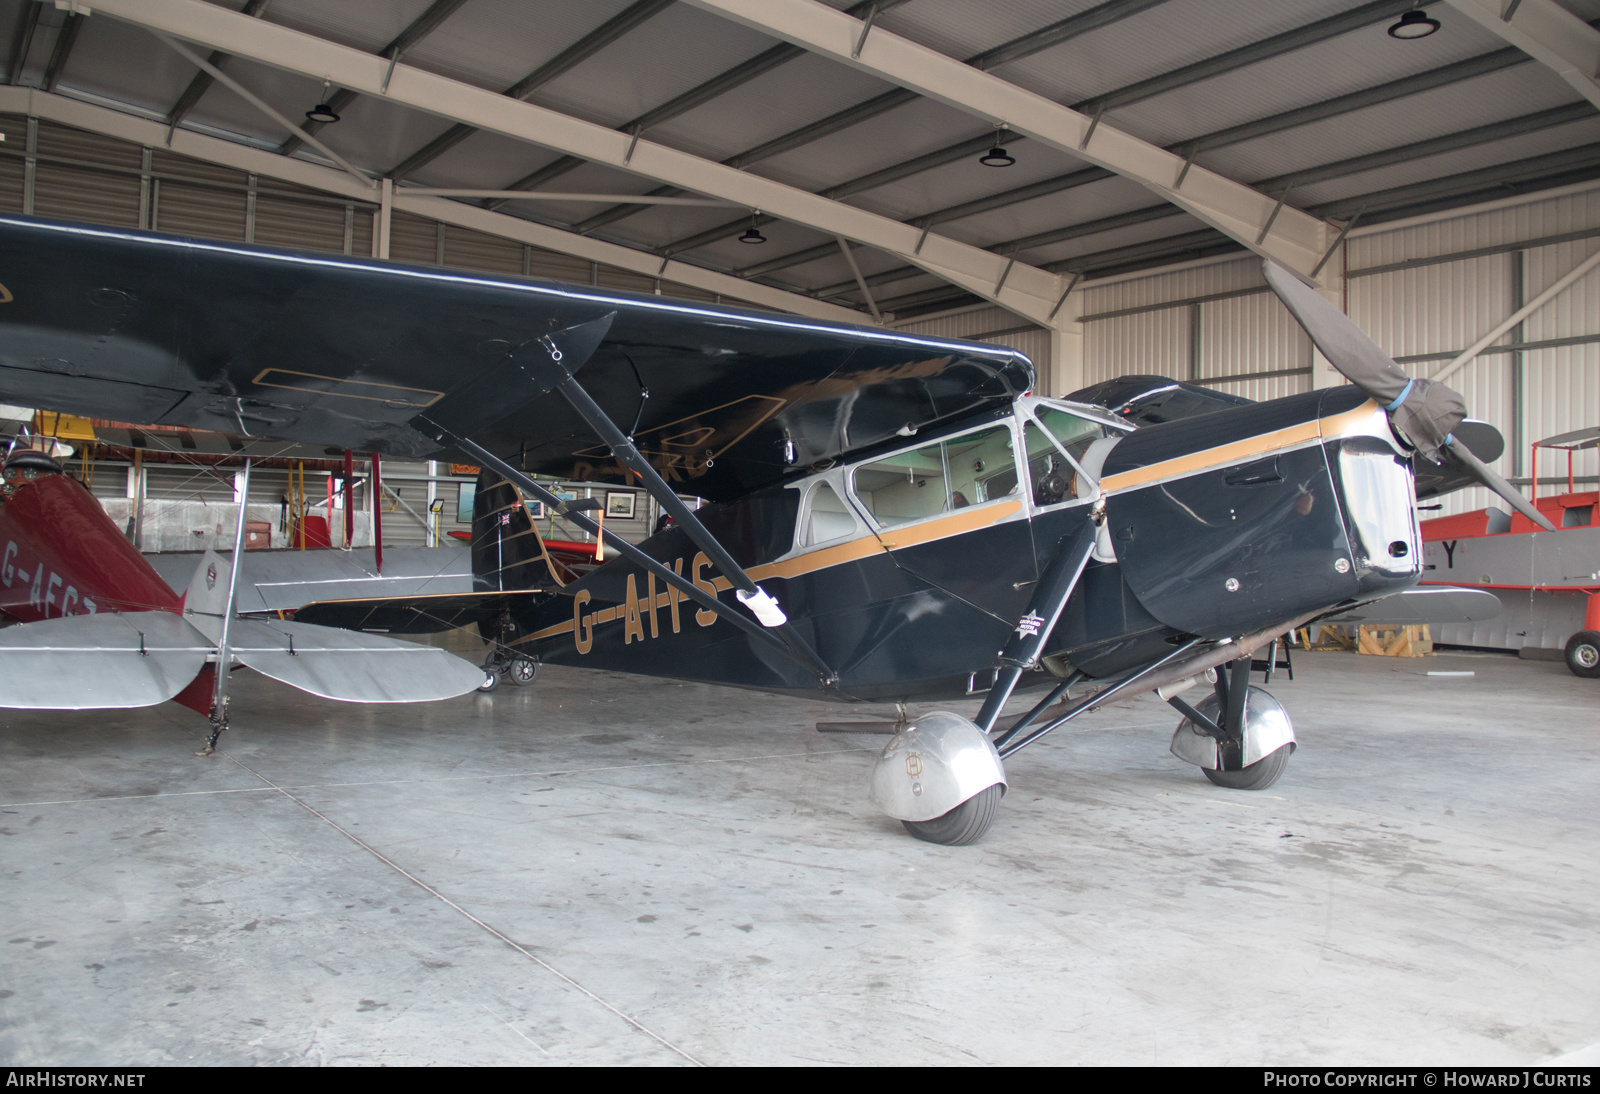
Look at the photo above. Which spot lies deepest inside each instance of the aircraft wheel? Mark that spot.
(1583, 654)
(1258, 776)
(491, 681)
(964, 824)
(522, 670)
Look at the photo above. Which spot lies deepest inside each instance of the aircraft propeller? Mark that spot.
(1421, 411)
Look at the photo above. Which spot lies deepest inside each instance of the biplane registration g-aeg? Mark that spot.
(892, 517)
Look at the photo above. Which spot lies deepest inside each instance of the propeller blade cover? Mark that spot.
(1421, 411)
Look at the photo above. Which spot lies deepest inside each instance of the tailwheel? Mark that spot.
(964, 824)
(1257, 776)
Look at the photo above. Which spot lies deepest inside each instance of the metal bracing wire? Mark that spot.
(1016, 49)
(1529, 175)
(203, 79)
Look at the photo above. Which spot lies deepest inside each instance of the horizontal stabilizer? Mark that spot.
(1424, 604)
(345, 665)
(271, 581)
(99, 662)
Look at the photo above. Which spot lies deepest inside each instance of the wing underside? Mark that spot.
(349, 353)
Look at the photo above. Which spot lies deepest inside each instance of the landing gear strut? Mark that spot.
(219, 722)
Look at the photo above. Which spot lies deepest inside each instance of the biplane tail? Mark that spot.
(512, 566)
(101, 630)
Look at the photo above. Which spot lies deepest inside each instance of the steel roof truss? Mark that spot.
(1028, 291)
(241, 157)
(1548, 33)
(1297, 239)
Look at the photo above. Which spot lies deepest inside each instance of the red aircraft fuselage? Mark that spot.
(60, 554)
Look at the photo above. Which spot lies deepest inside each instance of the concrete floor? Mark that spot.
(609, 870)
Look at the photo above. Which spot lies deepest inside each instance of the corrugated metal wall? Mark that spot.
(993, 325)
(1194, 338)
(1149, 342)
(1429, 309)
(1440, 308)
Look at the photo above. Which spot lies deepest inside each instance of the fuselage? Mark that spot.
(61, 555)
(908, 566)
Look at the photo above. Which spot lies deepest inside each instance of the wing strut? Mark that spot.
(750, 594)
(220, 697)
(1050, 598)
(548, 365)
(803, 655)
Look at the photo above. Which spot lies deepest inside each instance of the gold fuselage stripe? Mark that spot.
(1239, 451)
(968, 520)
(965, 520)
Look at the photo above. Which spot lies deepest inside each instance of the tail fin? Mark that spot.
(508, 554)
(207, 593)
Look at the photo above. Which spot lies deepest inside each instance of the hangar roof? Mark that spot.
(1312, 104)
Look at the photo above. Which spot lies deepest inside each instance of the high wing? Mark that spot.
(353, 354)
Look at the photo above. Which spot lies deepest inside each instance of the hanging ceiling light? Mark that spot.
(1414, 24)
(752, 234)
(997, 156)
(322, 112)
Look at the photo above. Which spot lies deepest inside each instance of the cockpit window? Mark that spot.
(967, 470)
(982, 465)
(1074, 433)
(1055, 478)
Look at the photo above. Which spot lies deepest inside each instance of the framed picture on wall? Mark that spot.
(619, 504)
(465, 493)
(535, 509)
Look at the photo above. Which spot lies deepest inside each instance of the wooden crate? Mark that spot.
(1381, 640)
(1330, 636)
